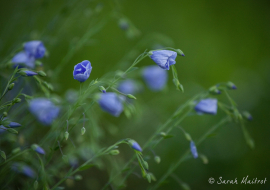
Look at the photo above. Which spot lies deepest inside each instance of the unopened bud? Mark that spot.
(214, 90)
(131, 96)
(27, 73)
(145, 165)
(231, 86)
(247, 116)
(163, 134)
(83, 131)
(10, 87)
(66, 135)
(36, 185)
(180, 52)
(188, 137)
(148, 177)
(42, 73)
(17, 100)
(102, 89)
(157, 159)
(16, 150)
(204, 158)
(5, 114)
(78, 177)
(114, 152)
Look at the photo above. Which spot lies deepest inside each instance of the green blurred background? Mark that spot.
(222, 40)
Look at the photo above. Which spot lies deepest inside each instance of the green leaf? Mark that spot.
(12, 131)
(85, 167)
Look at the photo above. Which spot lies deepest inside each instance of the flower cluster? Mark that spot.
(32, 50)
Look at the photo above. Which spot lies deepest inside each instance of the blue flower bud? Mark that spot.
(135, 145)
(35, 49)
(22, 58)
(164, 58)
(247, 116)
(44, 110)
(231, 86)
(214, 90)
(111, 103)
(155, 78)
(23, 169)
(123, 24)
(38, 149)
(102, 89)
(193, 149)
(27, 73)
(82, 71)
(14, 125)
(208, 106)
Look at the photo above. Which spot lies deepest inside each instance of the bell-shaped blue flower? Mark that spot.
(134, 145)
(23, 59)
(164, 58)
(24, 169)
(128, 86)
(82, 71)
(44, 110)
(208, 106)
(193, 149)
(14, 125)
(111, 103)
(38, 149)
(155, 77)
(35, 49)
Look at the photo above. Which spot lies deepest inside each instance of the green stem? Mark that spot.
(12, 157)
(87, 162)
(183, 158)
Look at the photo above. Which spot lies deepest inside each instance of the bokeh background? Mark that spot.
(222, 40)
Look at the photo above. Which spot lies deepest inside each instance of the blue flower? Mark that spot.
(128, 87)
(135, 145)
(14, 125)
(82, 71)
(193, 149)
(208, 106)
(111, 103)
(35, 49)
(24, 169)
(155, 77)
(23, 58)
(45, 111)
(38, 149)
(164, 58)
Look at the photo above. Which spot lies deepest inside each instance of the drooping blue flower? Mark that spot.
(111, 103)
(35, 48)
(82, 71)
(38, 149)
(44, 110)
(155, 77)
(135, 145)
(14, 125)
(164, 58)
(128, 86)
(24, 169)
(208, 106)
(193, 149)
(23, 58)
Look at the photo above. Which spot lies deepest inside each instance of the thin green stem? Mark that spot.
(183, 158)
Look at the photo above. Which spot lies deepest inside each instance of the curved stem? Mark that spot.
(183, 158)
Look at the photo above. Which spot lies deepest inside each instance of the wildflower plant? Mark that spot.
(73, 140)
